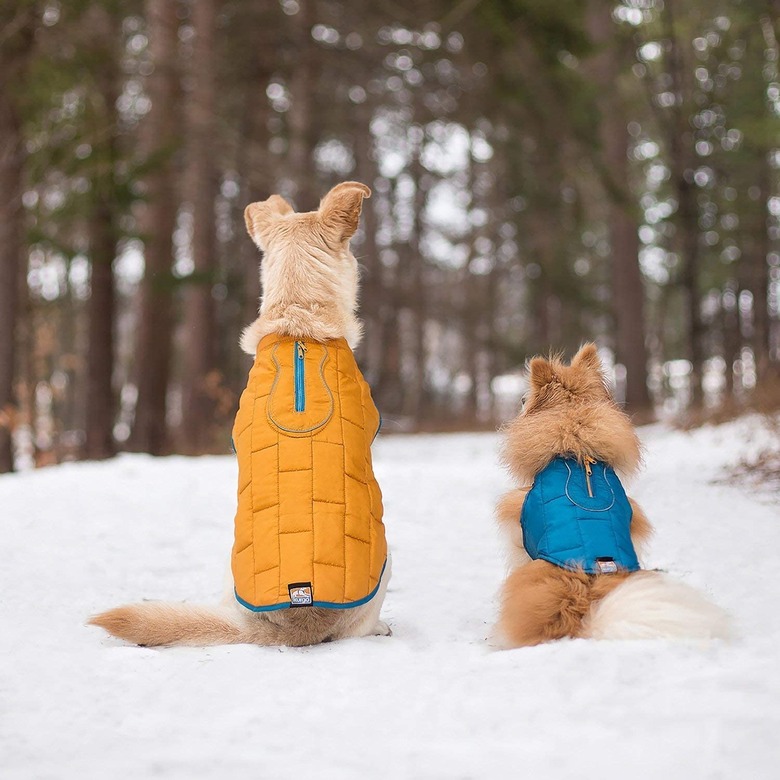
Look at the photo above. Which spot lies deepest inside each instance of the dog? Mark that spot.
(574, 537)
(310, 561)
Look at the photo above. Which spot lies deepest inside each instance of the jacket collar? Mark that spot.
(272, 339)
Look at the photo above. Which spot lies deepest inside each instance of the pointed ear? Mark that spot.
(588, 358)
(259, 216)
(540, 372)
(340, 209)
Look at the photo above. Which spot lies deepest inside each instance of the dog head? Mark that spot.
(569, 411)
(308, 274)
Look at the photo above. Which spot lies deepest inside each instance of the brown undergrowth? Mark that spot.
(762, 469)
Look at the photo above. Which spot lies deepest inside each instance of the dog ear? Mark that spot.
(259, 216)
(588, 358)
(340, 209)
(540, 373)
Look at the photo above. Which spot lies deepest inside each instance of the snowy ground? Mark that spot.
(431, 701)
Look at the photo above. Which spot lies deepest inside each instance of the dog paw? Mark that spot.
(382, 629)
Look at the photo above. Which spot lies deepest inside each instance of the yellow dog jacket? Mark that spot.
(308, 528)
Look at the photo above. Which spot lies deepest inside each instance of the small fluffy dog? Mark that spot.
(573, 533)
(310, 561)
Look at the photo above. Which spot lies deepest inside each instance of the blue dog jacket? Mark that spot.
(579, 518)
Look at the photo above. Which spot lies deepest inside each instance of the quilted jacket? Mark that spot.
(578, 517)
(308, 528)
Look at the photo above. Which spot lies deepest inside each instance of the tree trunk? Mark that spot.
(391, 387)
(627, 286)
(100, 402)
(371, 288)
(731, 338)
(763, 48)
(258, 180)
(12, 65)
(11, 226)
(755, 259)
(200, 318)
(687, 228)
(103, 234)
(416, 400)
(681, 159)
(301, 122)
(470, 305)
(158, 222)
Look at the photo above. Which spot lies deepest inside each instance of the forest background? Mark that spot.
(542, 174)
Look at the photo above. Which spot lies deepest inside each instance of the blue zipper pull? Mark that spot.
(300, 377)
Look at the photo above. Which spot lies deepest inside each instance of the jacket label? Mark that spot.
(300, 594)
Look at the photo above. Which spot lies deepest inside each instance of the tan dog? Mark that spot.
(569, 414)
(310, 285)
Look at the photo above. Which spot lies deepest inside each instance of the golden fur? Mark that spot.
(542, 602)
(309, 277)
(568, 411)
(156, 624)
(310, 287)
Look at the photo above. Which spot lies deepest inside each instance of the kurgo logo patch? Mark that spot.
(300, 594)
(606, 565)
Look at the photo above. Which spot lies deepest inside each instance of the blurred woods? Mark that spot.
(542, 173)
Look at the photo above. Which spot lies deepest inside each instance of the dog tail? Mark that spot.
(542, 602)
(652, 605)
(155, 624)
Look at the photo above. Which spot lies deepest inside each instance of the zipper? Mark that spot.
(588, 474)
(300, 376)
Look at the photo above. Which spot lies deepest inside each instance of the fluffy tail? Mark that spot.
(652, 605)
(541, 602)
(155, 623)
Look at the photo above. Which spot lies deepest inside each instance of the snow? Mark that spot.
(432, 701)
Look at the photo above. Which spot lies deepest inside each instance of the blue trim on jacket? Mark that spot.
(572, 519)
(325, 604)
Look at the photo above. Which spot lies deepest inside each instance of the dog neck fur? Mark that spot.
(569, 412)
(309, 276)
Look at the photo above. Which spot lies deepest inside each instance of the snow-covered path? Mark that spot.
(430, 702)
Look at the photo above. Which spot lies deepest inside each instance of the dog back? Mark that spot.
(577, 516)
(308, 528)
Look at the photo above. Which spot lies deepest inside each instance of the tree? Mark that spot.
(628, 294)
(18, 25)
(301, 122)
(199, 357)
(159, 142)
(103, 230)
